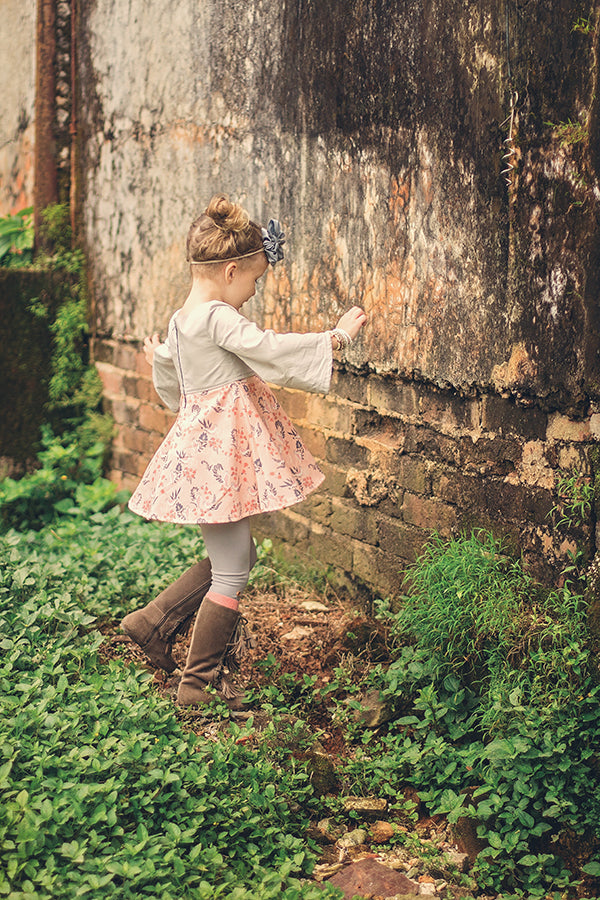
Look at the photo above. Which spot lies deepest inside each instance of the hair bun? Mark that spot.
(226, 215)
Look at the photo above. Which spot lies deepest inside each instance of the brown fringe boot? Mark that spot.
(218, 639)
(156, 625)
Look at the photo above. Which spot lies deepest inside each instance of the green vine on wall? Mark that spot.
(16, 239)
(75, 434)
(74, 389)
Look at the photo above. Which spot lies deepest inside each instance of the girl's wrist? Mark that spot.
(339, 338)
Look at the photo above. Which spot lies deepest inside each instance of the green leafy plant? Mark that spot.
(66, 483)
(576, 496)
(570, 133)
(103, 792)
(463, 598)
(583, 25)
(16, 239)
(76, 439)
(496, 711)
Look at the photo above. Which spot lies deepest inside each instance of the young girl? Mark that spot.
(232, 451)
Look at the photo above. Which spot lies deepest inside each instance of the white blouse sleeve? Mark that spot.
(164, 377)
(302, 361)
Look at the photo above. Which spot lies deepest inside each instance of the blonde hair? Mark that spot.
(224, 231)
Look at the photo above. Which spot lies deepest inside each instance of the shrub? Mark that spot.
(497, 715)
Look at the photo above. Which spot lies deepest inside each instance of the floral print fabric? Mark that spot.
(232, 452)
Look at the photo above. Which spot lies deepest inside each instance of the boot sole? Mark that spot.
(160, 662)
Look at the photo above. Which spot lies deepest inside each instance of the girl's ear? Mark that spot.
(229, 272)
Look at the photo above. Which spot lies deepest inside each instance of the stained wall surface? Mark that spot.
(435, 163)
(17, 104)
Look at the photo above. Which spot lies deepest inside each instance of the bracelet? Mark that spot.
(342, 337)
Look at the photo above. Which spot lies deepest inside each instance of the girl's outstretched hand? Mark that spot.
(352, 321)
(150, 345)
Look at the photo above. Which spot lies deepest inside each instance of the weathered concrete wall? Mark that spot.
(17, 104)
(376, 132)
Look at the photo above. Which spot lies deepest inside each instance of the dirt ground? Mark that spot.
(311, 633)
(307, 632)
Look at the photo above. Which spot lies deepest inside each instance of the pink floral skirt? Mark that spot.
(232, 452)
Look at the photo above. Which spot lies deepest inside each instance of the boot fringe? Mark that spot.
(240, 641)
(228, 690)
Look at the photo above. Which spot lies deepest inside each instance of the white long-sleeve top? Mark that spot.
(214, 344)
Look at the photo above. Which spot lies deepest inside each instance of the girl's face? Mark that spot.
(241, 280)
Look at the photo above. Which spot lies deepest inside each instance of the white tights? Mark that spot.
(232, 555)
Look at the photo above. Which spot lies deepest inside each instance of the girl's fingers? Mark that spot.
(353, 320)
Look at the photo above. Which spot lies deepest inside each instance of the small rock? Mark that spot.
(428, 889)
(367, 877)
(328, 831)
(382, 832)
(355, 838)
(373, 711)
(314, 606)
(320, 873)
(297, 634)
(366, 806)
(458, 859)
(323, 775)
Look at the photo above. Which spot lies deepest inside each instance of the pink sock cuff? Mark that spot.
(223, 600)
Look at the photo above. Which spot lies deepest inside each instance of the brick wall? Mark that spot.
(401, 460)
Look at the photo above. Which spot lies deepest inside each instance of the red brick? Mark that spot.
(125, 357)
(330, 548)
(382, 571)
(142, 389)
(370, 425)
(432, 444)
(392, 395)
(503, 416)
(461, 490)
(347, 518)
(295, 403)
(140, 364)
(153, 418)
(446, 411)
(122, 356)
(122, 480)
(349, 387)
(415, 474)
(515, 502)
(129, 463)
(124, 412)
(138, 441)
(317, 508)
(314, 440)
(399, 539)
(562, 428)
(335, 479)
(346, 452)
(103, 351)
(428, 514)
(332, 415)
(284, 525)
(490, 455)
(112, 380)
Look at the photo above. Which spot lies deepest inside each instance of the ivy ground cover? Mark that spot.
(103, 793)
